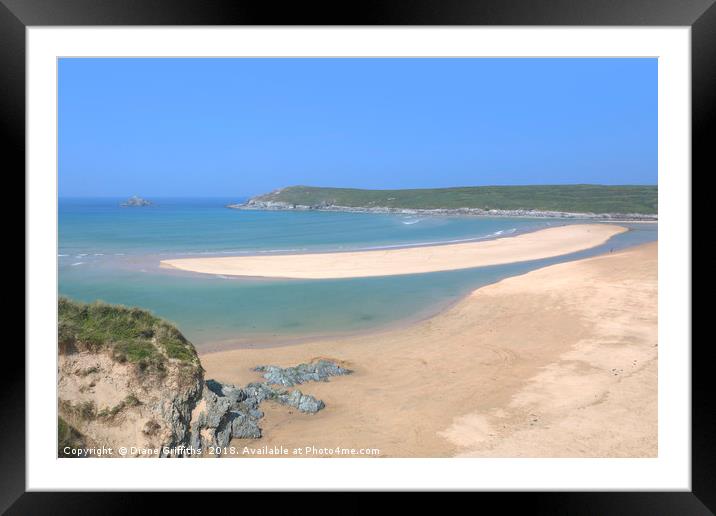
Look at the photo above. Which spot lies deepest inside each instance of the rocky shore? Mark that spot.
(318, 371)
(199, 415)
(256, 204)
(226, 411)
(127, 379)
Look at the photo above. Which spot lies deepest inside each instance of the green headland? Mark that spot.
(589, 199)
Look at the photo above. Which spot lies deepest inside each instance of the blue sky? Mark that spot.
(234, 127)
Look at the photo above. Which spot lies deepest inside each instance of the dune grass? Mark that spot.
(131, 334)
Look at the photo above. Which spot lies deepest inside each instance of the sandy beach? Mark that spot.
(410, 260)
(559, 362)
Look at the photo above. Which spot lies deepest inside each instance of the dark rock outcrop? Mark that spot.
(317, 371)
(227, 411)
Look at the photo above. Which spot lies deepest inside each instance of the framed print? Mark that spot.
(431, 247)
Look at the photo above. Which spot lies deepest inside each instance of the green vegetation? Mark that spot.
(641, 199)
(88, 371)
(130, 334)
(83, 411)
(87, 410)
(67, 436)
(110, 413)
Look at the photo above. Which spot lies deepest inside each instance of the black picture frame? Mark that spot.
(700, 15)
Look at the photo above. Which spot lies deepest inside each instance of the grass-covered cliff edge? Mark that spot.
(127, 378)
(634, 201)
(128, 334)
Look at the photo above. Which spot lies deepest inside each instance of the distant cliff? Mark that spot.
(634, 202)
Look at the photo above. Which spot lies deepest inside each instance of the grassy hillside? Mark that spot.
(130, 334)
(567, 198)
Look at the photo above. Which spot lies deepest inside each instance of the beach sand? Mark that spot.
(410, 260)
(559, 362)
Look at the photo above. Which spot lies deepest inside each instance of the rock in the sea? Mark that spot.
(317, 371)
(135, 201)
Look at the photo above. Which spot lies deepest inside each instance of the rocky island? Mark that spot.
(135, 201)
(129, 379)
(601, 202)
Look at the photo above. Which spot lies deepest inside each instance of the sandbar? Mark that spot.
(536, 245)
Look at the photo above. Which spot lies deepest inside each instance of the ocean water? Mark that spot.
(112, 254)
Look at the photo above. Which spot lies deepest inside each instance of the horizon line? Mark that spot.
(111, 196)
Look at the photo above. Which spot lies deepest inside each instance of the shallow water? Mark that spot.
(112, 253)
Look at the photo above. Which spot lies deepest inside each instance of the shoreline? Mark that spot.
(472, 212)
(544, 243)
(266, 341)
(262, 341)
(539, 364)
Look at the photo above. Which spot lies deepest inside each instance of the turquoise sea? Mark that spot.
(111, 253)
